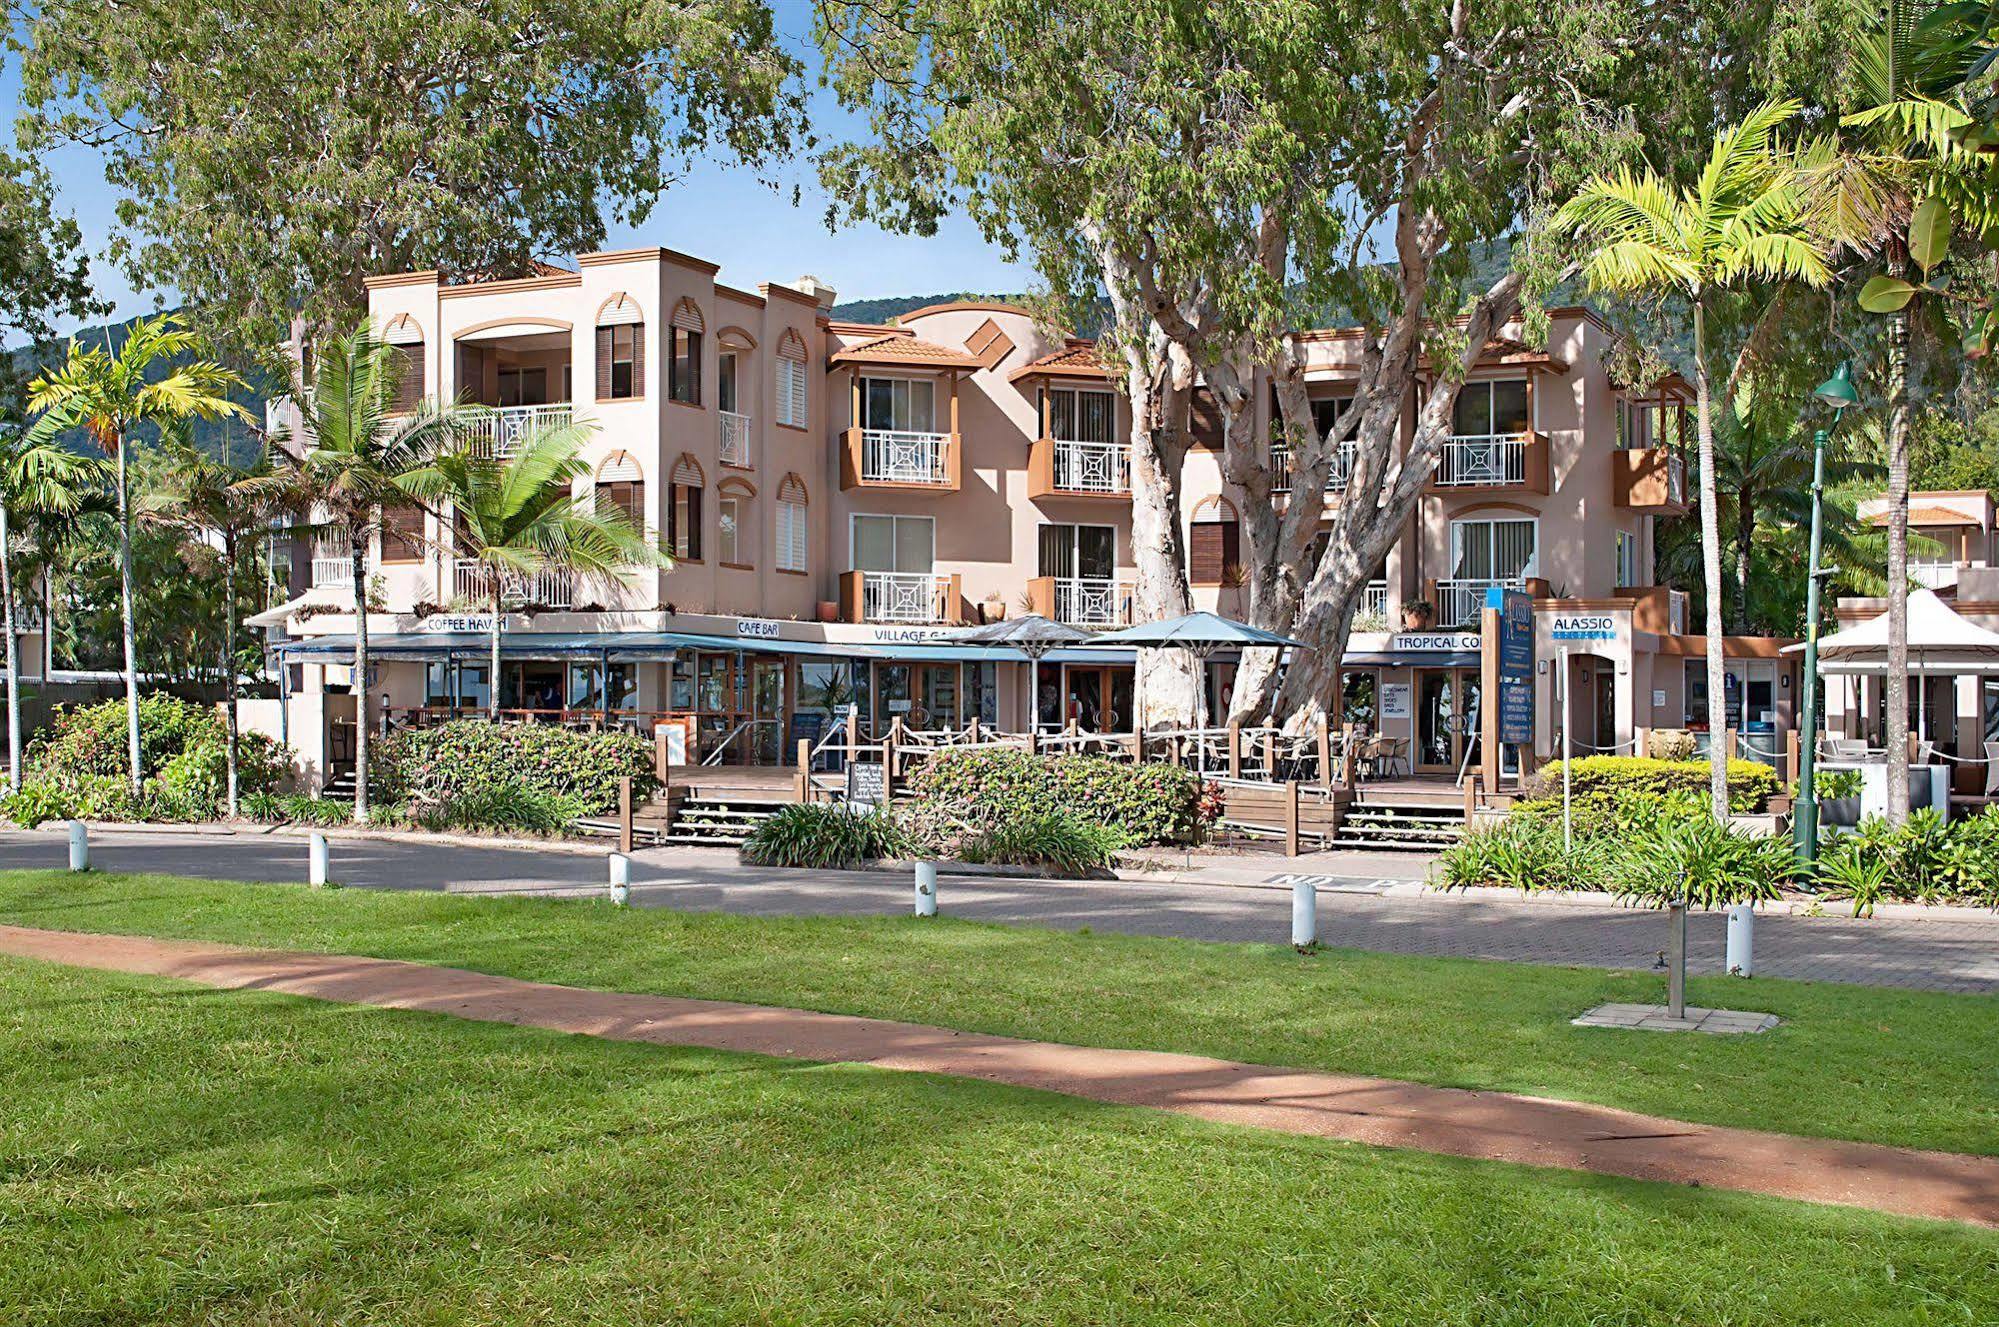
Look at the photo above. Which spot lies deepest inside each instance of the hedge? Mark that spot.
(1613, 778)
(467, 758)
(1142, 803)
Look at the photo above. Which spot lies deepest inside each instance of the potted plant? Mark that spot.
(1839, 796)
(1418, 614)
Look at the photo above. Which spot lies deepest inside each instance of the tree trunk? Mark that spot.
(1167, 680)
(1717, 686)
(13, 662)
(232, 736)
(1896, 698)
(1745, 531)
(125, 615)
(358, 551)
(493, 673)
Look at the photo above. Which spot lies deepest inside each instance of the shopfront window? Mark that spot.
(1358, 701)
(586, 687)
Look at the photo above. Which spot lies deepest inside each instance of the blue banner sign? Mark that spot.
(1516, 663)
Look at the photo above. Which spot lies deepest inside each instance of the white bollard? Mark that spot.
(79, 846)
(621, 879)
(1741, 939)
(1304, 914)
(319, 859)
(926, 889)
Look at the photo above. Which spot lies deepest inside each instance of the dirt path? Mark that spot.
(1487, 1125)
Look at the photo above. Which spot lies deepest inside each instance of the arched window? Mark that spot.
(793, 531)
(791, 384)
(683, 371)
(735, 509)
(406, 337)
(683, 510)
(1214, 543)
(621, 349)
(621, 487)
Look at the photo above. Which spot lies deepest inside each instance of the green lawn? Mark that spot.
(177, 1155)
(1851, 1062)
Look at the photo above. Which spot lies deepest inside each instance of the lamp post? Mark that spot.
(1837, 392)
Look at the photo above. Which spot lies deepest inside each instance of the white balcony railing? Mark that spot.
(332, 561)
(1676, 478)
(1460, 601)
(551, 587)
(903, 596)
(1934, 575)
(734, 444)
(896, 456)
(1337, 474)
(497, 433)
(1092, 467)
(1374, 600)
(1489, 459)
(1092, 601)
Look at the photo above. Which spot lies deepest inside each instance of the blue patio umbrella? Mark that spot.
(1200, 634)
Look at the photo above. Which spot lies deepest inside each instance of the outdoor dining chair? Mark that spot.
(1847, 748)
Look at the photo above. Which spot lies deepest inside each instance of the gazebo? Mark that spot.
(1942, 643)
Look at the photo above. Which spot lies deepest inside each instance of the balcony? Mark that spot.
(1337, 474)
(1064, 468)
(332, 561)
(898, 458)
(1933, 575)
(915, 597)
(1658, 609)
(1649, 479)
(1081, 601)
(551, 587)
(1496, 462)
(733, 444)
(1373, 607)
(1460, 600)
(497, 432)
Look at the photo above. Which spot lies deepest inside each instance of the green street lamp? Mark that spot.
(1837, 392)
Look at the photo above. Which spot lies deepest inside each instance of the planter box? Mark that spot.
(1841, 812)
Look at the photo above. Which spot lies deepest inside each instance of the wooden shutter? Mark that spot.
(638, 359)
(1204, 419)
(472, 372)
(694, 523)
(791, 536)
(1213, 547)
(402, 533)
(409, 377)
(603, 363)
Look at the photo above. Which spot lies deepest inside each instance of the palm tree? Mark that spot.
(1740, 221)
(230, 505)
(113, 396)
(516, 518)
(37, 480)
(355, 452)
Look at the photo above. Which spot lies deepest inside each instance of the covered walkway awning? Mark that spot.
(658, 646)
(1941, 643)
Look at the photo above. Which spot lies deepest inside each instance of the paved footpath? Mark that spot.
(1491, 1126)
(1957, 953)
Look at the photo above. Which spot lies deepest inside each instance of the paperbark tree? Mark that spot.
(271, 156)
(1224, 172)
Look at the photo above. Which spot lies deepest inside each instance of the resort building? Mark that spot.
(843, 499)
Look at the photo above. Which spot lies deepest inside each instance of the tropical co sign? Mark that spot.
(1435, 641)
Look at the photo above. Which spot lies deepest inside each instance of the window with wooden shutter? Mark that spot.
(683, 366)
(405, 339)
(791, 380)
(621, 349)
(621, 488)
(1214, 543)
(402, 533)
(1204, 419)
(793, 526)
(683, 511)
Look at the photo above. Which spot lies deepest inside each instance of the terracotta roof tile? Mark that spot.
(1928, 516)
(1079, 358)
(909, 350)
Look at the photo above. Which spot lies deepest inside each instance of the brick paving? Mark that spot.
(1955, 953)
(1498, 1126)
(1659, 1018)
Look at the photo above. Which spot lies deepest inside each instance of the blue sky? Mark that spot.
(720, 213)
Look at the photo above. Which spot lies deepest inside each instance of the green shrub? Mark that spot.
(501, 808)
(467, 757)
(265, 807)
(1709, 864)
(1524, 852)
(1848, 873)
(826, 836)
(37, 803)
(1833, 784)
(1055, 840)
(1750, 785)
(81, 760)
(316, 810)
(1147, 803)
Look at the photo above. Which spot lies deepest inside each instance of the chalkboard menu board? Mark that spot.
(867, 783)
